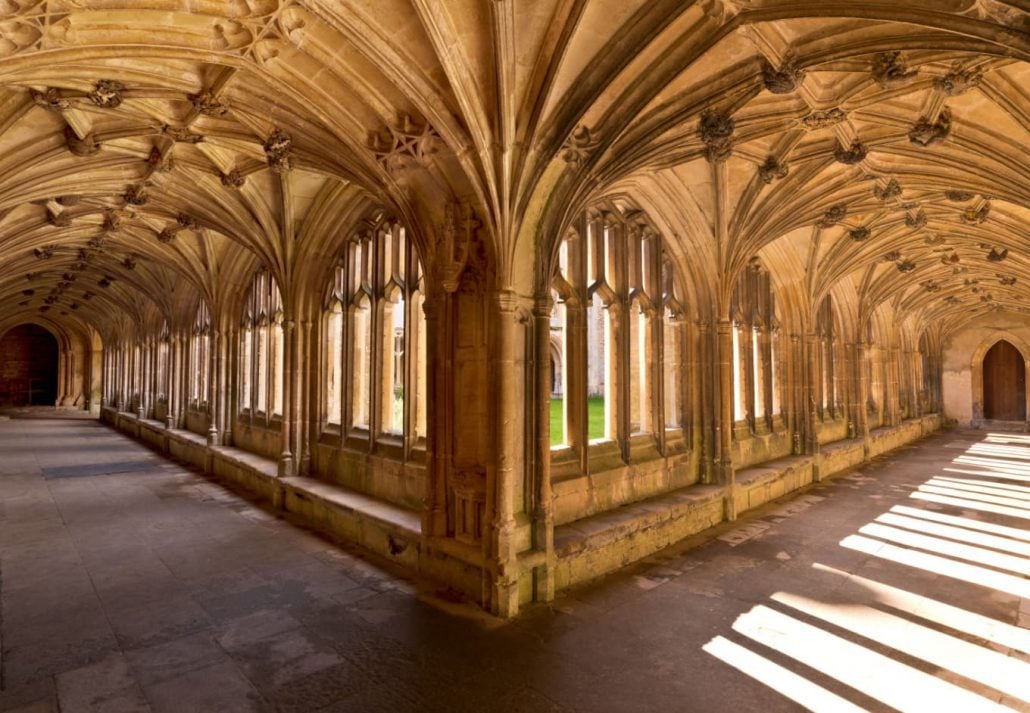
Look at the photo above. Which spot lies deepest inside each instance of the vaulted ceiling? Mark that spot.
(156, 150)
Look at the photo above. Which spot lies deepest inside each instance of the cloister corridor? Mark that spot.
(129, 582)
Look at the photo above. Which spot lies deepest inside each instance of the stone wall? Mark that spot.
(961, 390)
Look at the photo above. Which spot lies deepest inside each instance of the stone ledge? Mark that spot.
(599, 544)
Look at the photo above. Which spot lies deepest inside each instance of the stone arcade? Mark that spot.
(514, 293)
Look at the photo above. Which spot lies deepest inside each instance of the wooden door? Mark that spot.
(1004, 383)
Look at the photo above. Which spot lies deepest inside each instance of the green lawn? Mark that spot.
(595, 419)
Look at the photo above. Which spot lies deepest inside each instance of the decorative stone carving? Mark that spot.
(277, 151)
(410, 142)
(112, 220)
(86, 146)
(233, 179)
(930, 285)
(906, 266)
(959, 196)
(927, 133)
(107, 94)
(44, 253)
(166, 235)
(889, 70)
(996, 255)
(976, 216)
(87, 295)
(455, 244)
(950, 259)
(50, 99)
(129, 263)
(208, 104)
(1006, 280)
(772, 169)
(892, 256)
(68, 200)
(136, 195)
(851, 155)
(60, 220)
(105, 281)
(891, 190)
(181, 134)
(578, 145)
(783, 80)
(933, 240)
(468, 488)
(186, 222)
(716, 132)
(916, 220)
(159, 161)
(859, 234)
(833, 215)
(953, 84)
(823, 119)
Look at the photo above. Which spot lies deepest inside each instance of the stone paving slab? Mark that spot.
(154, 589)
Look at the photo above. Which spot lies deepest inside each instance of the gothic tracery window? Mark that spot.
(261, 348)
(755, 385)
(617, 326)
(375, 335)
(200, 352)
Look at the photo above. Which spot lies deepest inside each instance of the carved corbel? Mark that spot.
(928, 133)
(278, 148)
(833, 215)
(955, 83)
(86, 146)
(772, 169)
(578, 145)
(850, 155)
(783, 80)
(891, 190)
(50, 99)
(208, 104)
(106, 93)
(890, 70)
(716, 132)
(455, 244)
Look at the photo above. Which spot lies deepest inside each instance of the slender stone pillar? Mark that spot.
(286, 456)
(724, 424)
(214, 391)
(505, 596)
(543, 509)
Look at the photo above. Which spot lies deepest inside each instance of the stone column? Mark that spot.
(214, 391)
(618, 374)
(303, 365)
(505, 595)
(724, 424)
(811, 393)
(438, 308)
(287, 463)
(543, 508)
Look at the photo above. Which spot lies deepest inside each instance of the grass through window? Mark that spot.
(595, 419)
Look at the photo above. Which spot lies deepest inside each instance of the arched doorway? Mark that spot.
(28, 367)
(1004, 383)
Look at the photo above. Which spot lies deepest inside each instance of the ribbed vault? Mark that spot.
(155, 152)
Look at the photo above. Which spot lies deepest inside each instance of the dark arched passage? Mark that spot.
(28, 367)
(1004, 383)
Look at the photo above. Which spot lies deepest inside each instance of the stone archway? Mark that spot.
(29, 361)
(1002, 354)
